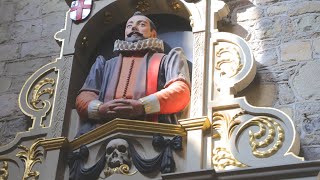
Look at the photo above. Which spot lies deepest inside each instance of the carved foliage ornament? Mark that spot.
(228, 62)
(222, 158)
(224, 125)
(264, 143)
(30, 157)
(4, 173)
(37, 92)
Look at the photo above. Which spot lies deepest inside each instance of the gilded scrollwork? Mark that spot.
(37, 92)
(123, 169)
(275, 131)
(30, 156)
(224, 123)
(223, 158)
(4, 172)
(264, 143)
(228, 62)
(224, 126)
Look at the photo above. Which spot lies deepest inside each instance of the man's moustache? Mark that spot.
(136, 33)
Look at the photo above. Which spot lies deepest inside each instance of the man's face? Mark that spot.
(138, 28)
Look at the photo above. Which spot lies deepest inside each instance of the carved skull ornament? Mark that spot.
(117, 153)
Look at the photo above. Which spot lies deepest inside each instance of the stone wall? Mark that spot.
(26, 43)
(285, 38)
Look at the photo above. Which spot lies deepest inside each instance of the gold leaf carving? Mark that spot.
(228, 62)
(223, 158)
(37, 92)
(4, 173)
(224, 126)
(123, 169)
(143, 6)
(30, 157)
(274, 129)
(225, 123)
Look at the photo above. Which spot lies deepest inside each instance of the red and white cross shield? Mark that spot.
(80, 9)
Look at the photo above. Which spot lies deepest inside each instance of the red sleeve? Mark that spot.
(174, 98)
(82, 102)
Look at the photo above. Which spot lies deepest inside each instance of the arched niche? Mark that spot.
(107, 20)
(96, 35)
(84, 38)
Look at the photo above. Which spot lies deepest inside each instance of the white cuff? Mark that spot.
(151, 104)
(93, 109)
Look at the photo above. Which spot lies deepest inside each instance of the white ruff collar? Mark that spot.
(153, 44)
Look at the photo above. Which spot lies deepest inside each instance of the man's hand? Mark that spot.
(121, 108)
(106, 111)
(129, 108)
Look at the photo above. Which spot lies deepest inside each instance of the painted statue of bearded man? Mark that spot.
(141, 83)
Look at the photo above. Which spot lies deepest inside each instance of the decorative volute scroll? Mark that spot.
(234, 67)
(36, 96)
(243, 135)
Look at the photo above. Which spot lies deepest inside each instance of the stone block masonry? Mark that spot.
(26, 43)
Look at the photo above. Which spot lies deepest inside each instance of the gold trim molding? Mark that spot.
(195, 123)
(55, 143)
(124, 125)
(4, 173)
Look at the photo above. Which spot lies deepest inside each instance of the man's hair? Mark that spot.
(138, 13)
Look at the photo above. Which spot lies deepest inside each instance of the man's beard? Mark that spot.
(134, 37)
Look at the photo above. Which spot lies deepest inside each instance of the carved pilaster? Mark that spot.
(197, 93)
(195, 134)
(65, 66)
